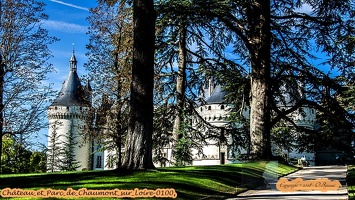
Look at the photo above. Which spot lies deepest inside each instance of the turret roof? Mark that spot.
(72, 92)
(217, 96)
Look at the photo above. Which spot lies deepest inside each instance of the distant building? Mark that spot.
(217, 113)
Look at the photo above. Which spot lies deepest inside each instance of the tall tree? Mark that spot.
(188, 50)
(275, 38)
(109, 66)
(180, 82)
(24, 50)
(138, 146)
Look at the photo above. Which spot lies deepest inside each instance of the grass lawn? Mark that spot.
(350, 180)
(193, 182)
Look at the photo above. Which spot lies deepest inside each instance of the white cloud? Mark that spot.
(70, 5)
(64, 26)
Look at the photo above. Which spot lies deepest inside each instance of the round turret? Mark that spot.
(69, 116)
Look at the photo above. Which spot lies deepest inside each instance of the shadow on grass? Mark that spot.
(350, 180)
(210, 182)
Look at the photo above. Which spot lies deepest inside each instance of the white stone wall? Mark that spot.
(72, 120)
(216, 114)
(107, 156)
(305, 117)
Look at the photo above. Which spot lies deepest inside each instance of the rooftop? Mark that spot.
(72, 92)
(217, 96)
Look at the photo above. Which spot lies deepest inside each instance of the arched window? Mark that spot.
(222, 107)
(209, 107)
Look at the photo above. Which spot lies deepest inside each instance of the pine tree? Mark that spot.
(68, 161)
(55, 152)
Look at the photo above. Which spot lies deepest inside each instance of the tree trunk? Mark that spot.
(2, 75)
(180, 85)
(119, 132)
(259, 38)
(138, 154)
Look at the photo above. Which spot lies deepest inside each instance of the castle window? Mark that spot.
(55, 108)
(222, 107)
(67, 107)
(209, 107)
(201, 109)
(99, 162)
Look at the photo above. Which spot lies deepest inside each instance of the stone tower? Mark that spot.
(69, 119)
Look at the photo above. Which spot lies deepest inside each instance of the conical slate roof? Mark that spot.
(72, 93)
(217, 96)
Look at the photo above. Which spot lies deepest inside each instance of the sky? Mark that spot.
(67, 22)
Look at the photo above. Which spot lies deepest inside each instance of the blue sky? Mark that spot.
(67, 21)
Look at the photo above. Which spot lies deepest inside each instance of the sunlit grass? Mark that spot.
(192, 182)
(350, 180)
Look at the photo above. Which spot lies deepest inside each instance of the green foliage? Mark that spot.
(38, 161)
(6, 155)
(183, 153)
(54, 148)
(68, 161)
(17, 159)
(61, 150)
(350, 180)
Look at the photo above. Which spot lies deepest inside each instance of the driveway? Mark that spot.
(307, 173)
